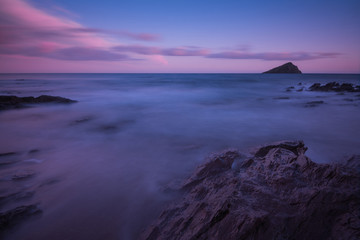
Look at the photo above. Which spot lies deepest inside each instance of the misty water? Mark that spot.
(99, 167)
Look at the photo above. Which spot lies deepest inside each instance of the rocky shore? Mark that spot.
(274, 192)
(14, 102)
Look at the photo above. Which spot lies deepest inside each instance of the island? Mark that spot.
(285, 68)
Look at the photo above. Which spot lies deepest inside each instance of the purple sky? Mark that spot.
(179, 36)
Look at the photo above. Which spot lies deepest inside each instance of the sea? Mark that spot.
(101, 168)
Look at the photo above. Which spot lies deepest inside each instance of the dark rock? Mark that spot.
(286, 68)
(8, 158)
(22, 175)
(275, 193)
(7, 154)
(82, 120)
(289, 89)
(314, 103)
(15, 197)
(33, 151)
(281, 98)
(13, 102)
(14, 216)
(49, 182)
(334, 87)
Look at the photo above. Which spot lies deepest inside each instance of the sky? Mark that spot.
(178, 36)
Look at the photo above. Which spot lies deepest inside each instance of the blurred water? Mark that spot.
(101, 164)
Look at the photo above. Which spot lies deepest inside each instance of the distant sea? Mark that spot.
(99, 166)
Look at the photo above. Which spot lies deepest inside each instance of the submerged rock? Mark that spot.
(14, 216)
(276, 193)
(285, 68)
(13, 102)
(314, 103)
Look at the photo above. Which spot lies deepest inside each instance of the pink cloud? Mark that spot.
(159, 59)
(179, 51)
(27, 31)
(269, 56)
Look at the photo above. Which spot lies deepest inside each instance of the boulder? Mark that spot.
(276, 192)
(285, 68)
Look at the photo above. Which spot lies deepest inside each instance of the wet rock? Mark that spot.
(22, 175)
(285, 68)
(49, 182)
(8, 158)
(13, 102)
(289, 89)
(281, 98)
(7, 154)
(32, 151)
(7, 161)
(15, 197)
(14, 216)
(277, 192)
(334, 87)
(314, 103)
(115, 127)
(82, 120)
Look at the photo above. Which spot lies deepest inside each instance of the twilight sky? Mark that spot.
(244, 36)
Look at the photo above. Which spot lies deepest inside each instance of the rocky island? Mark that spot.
(285, 68)
(276, 192)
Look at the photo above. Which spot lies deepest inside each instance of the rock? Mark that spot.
(15, 197)
(334, 87)
(23, 175)
(281, 98)
(13, 102)
(314, 103)
(14, 216)
(7, 154)
(286, 68)
(275, 193)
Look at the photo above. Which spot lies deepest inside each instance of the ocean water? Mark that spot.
(99, 167)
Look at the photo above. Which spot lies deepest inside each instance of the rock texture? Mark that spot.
(14, 216)
(286, 68)
(274, 193)
(11, 102)
(334, 87)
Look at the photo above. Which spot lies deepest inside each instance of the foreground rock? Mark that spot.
(11, 102)
(275, 193)
(14, 216)
(285, 68)
(334, 87)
